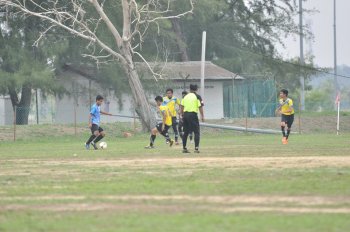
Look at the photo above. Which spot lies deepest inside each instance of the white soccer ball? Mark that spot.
(103, 145)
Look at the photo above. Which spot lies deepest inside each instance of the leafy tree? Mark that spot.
(241, 36)
(84, 18)
(24, 67)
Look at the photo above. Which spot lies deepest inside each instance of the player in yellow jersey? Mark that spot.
(163, 126)
(286, 110)
(171, 101)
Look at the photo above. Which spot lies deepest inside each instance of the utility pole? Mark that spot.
(336, 84)
(36, 90)
(204, 42)
(302, 61)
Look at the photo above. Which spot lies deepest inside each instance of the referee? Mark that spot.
(189, 107)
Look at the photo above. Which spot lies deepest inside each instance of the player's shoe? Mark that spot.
(177, 143)
(171, 142)
(185, 150)
(94, 145)
(284, 140)
(87, 146)
(149, 147)
(192, 142)
(167, 142)
(196, 150)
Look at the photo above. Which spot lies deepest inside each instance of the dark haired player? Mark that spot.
(162, 127)
(94, 123)
(286, 110)
(171, 101)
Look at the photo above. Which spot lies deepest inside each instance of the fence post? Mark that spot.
(134, 121)
(299, 116)
(75, 119)
(14, 123)
(246, 116)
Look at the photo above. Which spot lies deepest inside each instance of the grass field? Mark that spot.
(238, 183)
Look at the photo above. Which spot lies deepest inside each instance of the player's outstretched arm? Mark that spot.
(106, 113)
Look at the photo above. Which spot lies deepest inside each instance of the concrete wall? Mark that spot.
(82, 93)
(213, 97)
(84, 97)
(6, 111)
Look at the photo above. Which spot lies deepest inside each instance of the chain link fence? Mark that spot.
(73, 121)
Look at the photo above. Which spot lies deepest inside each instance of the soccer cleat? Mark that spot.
(177, 143)
(87, 146)
(94, 145)
(192, 142)
(167, 142)
(185, 150)
(171, 142)
(284, 140)
(149, 147)
(196, 150)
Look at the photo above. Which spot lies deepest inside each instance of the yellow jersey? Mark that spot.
(171, 103)
(191, 103)
(165, 112)
(285, 105)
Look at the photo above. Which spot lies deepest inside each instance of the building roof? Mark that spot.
(192, 69)
(170, 71)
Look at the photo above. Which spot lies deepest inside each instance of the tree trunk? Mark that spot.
(22, 107)
(180, 39)
(142, 106)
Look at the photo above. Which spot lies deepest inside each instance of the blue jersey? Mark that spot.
(95, 114)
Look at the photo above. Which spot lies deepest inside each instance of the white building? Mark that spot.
(6, 111)
(83, 88)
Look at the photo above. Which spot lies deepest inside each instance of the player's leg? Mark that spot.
(101, 135)
(289, 125)
(191, 137)
(153, 137)
(187, 130)
(176, 132)
(196, 131)
(283, 128)
(97, 134)
(93, 128)
(180, 127)
(165, 133)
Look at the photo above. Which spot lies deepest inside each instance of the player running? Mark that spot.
(162, 127)
(286, 110)
(94, 123)
(171, 101)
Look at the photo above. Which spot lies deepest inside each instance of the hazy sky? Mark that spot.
(322, 27)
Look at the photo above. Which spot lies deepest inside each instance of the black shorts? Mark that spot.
(96, 127)
(191, 122)
(288, 119)
(159, 128)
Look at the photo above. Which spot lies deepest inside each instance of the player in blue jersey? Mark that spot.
(94, 123)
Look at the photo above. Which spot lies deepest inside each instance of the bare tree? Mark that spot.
(73, 16)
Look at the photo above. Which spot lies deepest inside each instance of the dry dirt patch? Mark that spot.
(226, 162)
(182, 203)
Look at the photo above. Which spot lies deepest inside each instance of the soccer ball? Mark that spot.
(103, 145)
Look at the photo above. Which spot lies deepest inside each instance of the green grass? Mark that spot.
(323, 113)
(53, 184)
